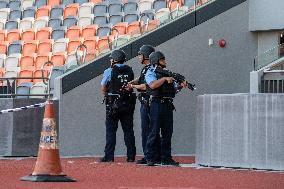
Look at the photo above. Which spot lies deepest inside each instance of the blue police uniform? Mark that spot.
(161, 115)
(126, 119)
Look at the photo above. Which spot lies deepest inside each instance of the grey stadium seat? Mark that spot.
(55, 22)
(24, 88)
(81, 1)
(15, 14)
(56, 11)
(70, 21)
(39, 3)
(15, 47)
(104, 30)
(131, 17)
(115, 18)
(56, 71)
(101, 19)
(189, 3)
(29, 12)
(58, 33)
(3, 4)
(100, 9)
(14, 4)
(130, 7)
(147, 14)
(12, 24)
(67, 2)
(115, 7)
(159, 4)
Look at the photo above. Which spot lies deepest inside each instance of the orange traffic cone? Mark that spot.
(48, 167)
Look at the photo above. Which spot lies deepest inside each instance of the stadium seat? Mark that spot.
(67, 2)
(159, 4)
(24, 89)
(3, 4)
(71, 10)
(104, 30)
(2, 61)
(38, 87)
(60, 45)
(2, 24)
(2, 35)
(43, 33)
(91, 44)
(14, 4)
(44, 46)
(55, 22)
(4, 13)
(85, 21)
(56, 11)
(56, 72)
(115, 7)
(130, 7)
(25, 73)
(12, 62)
(41, 22)
(86, 9)
(40, 3)
(100, 9)
(152, 24)
(27, 62)
(41, 59)
(120, 40)
(163, 15)
(3, 47)
(96, 1)
(104, 44)
(89, 31)
(135, 29)
(58, 59)
(145, 5)
(116, 18)
(131, 17)
(13, 35)
(71, 62)
(179, 11)
(120, 27)
(73, 44)
(69, 21)
(101, 19)
(74, 32)
(81, 1)
(173, 4)
(28, 34)
(189, 3)
(58, 33)
(15, 14)
(15, 47)
(29, 48)
(147, 15)
(11, 24)
(9, 74)
(43, 11)
(53, 2)
(26, 23)
(27, 3)
(29, 12)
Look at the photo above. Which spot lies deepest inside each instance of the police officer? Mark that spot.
(141, 86)
(120, 105)
(163, 90)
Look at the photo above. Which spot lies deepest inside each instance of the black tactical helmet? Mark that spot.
(146, 50)
(118, 56)
(156, 56)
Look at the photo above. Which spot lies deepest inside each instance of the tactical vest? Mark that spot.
(165, 90)
(142, 76)
(120, 76)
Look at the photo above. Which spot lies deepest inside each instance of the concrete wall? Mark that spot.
(213, 69)
(266, 15)
(241, 130)
(267, 40)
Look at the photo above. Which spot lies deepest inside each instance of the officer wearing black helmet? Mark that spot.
(120, 105)
(163, 90)
(141, 86)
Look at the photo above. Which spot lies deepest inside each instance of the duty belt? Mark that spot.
(164, 100)
(143, 98)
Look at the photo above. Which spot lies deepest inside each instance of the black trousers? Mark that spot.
(126, 120)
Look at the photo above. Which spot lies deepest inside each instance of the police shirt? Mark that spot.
(107, 75)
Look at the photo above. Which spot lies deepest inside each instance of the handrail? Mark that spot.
(84, 53)
(116, 36)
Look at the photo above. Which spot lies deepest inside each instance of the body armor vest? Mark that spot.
(142, 76)
(120, 76)
(165, 90)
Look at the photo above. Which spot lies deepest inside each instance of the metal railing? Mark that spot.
(268, 57)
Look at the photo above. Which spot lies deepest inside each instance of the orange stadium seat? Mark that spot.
(54, 2)
(91, 44)
(104, 43)
(73, 44)
(2, 71)
(135, 28)
(45, 46)
(41, 59)
(13, 35)
(74, 32)
(29, 48)
(2, 35)
(121, 27)
(173, 4)
(27, 62)
(43, 33)
(3, 47)
(58, 59)
(152, 24)
(89, 31)
(28, 34)
(43, 11)
(71, 9)
(38, 73)
(25, 73)
(96, 1)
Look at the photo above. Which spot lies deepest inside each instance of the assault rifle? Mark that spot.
(178, 77)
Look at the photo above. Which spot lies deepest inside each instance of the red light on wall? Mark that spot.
(222, 43)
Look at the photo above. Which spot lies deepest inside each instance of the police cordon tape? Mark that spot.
(40, 105)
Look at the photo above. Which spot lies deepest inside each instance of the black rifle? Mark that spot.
(178, 77)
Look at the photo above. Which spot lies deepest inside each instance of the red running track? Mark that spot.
(121, 175)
